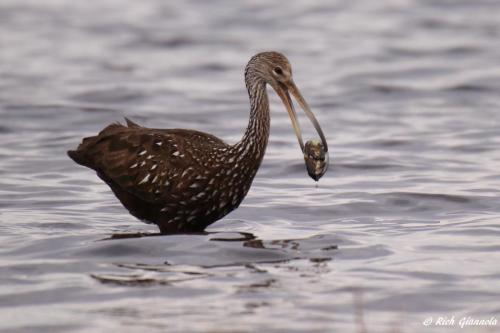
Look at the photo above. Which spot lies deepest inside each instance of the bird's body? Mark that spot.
(183, 180)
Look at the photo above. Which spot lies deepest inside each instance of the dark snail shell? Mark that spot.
(316, 159)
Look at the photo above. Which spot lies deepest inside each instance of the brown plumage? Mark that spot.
(183, 180)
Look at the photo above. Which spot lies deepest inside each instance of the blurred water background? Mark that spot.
(404, 226)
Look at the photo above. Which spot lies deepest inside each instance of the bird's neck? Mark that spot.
(254, 142)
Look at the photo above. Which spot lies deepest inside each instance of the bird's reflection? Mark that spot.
(245, 250)
(248, 239)
(255, 243)
(224, 236)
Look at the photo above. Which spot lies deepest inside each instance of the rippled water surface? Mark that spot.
(404, 226)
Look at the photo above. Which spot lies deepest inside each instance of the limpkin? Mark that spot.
(183, 180)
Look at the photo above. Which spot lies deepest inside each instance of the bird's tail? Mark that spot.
(79, 154)
(89, 152)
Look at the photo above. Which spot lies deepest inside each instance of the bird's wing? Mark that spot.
(154, 165)
(130, 123)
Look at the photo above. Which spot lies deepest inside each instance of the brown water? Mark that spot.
(404, 226)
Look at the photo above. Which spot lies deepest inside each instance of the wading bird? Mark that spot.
(183, 180)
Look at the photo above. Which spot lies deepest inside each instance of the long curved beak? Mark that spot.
(283, 92)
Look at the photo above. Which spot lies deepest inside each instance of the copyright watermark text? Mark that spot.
(462, 322)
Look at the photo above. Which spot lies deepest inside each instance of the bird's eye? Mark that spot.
(278, 70)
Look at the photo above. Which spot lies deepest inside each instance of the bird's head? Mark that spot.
(275, 69)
